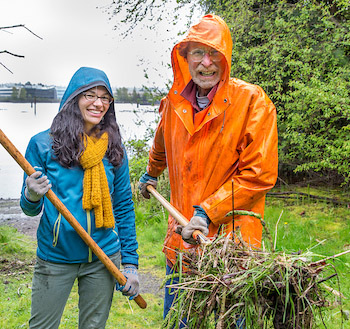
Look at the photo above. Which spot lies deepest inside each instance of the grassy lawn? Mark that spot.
(15, 309)
(323, 229)
(17, 254)
(302, 225)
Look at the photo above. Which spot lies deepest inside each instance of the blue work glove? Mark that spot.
(200, 221)
(36, 186)
(132, 285)
(144, 181)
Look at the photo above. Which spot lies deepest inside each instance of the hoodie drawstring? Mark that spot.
(223, 123)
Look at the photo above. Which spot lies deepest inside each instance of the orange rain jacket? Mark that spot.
(235, 145)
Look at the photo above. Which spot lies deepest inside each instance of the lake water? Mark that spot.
(19, 124)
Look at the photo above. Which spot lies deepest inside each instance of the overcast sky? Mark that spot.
(75, 33)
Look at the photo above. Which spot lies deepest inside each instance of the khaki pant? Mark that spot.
(52, 284)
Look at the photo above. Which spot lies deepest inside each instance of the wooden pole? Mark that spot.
(182, 220)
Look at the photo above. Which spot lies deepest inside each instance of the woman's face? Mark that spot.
(93, 105)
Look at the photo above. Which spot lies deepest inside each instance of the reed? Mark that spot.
(225, 281)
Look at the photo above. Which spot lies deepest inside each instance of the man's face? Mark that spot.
(206, 71)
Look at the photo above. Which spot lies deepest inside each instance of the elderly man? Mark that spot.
(218, 137)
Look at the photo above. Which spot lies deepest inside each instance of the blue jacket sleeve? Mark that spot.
(34, 157)
(124, 214)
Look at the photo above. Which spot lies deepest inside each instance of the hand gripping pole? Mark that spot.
(182, 220)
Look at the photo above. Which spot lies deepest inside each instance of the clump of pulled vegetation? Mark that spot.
(226, 282)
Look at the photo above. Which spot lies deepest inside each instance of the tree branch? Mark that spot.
(6, 68)
(19, 25)
(7, 52)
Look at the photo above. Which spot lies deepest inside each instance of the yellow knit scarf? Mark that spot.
(96, 192)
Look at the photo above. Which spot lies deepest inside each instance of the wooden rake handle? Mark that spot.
(182, 220)
(26, 166)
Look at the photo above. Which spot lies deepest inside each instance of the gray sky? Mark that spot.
(75, 33)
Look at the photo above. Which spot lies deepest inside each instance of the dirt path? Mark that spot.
(12, 215)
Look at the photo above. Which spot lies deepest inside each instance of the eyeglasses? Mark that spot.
(94, 98)
(197, 55)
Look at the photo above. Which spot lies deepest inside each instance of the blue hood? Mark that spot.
(84, 79)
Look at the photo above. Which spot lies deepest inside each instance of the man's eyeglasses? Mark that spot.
(197, 55)
(93, 98)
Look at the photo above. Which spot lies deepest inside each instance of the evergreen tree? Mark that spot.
(14, 93)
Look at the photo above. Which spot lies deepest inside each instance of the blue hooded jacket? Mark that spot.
(57, 240)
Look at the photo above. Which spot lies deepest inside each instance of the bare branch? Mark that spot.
(148, 13)
(10, 27)
(19, 25)
(7, 52)
(6, 68)
(33, 33)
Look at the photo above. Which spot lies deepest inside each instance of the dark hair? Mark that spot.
(67, 131)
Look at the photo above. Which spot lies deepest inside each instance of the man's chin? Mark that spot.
(206, 82)
(206, 85)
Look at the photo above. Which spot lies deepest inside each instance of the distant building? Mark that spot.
(14, 92)
(6, 90)
(29, 92)
(60, 91)
(38, 91)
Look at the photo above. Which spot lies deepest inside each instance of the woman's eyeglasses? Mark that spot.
(93, 98)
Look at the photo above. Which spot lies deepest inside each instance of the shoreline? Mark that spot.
(27, 101)
(11, 214)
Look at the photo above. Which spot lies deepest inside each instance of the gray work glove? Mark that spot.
(36, 186)
(132, 285)
(144, 181)
(200, 221)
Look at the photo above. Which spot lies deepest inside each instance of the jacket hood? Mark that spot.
(84, 79)
(211, 31)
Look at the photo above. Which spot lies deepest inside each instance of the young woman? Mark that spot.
(81, 157)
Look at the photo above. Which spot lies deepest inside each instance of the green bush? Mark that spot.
(138, 150)
(298, 51)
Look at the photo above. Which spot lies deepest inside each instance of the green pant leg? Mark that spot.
(51, 287)
(96, 286)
